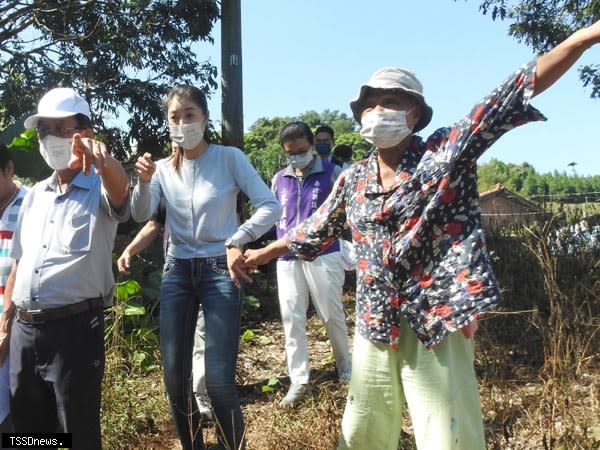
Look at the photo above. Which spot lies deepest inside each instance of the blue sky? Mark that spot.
(314, 54)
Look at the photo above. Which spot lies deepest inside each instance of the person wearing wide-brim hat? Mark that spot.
(423, 275)
(393, 80)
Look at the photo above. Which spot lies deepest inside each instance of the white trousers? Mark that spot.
(322, 280)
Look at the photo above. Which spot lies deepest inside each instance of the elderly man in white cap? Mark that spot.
(423, 274)
(62, 277)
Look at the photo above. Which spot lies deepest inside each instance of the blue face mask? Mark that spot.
(323, 148)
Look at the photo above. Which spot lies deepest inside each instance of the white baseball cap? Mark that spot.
(395, 79)
(57, 104)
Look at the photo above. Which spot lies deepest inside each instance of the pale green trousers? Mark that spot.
(438, 386)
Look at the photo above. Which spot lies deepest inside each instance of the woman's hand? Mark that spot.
(236, 263)
(145, 167)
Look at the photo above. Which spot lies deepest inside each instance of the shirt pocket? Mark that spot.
(75, 237)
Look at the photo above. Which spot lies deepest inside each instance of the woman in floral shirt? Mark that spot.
(423, 271)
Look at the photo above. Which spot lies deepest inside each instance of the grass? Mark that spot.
(537, 363)
(523, 409)
(134, 407)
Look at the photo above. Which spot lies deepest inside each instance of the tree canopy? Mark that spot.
(524, 180)
(542, 24)
(121, 55)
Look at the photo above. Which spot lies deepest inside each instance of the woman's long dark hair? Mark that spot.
(196, 96)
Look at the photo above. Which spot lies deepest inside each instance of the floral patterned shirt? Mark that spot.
(419, 244)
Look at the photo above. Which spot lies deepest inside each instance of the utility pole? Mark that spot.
(232, 109)
(232, 104)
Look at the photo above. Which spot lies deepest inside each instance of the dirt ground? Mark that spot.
(521, 411)
(260, 360)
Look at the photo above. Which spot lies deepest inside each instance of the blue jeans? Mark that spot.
(187, 285)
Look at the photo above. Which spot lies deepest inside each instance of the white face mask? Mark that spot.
(187, 136)
(56, 151)
(300, 160)
(385, 128)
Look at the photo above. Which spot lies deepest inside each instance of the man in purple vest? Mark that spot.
(301, 187)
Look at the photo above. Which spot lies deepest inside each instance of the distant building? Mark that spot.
(501, 208)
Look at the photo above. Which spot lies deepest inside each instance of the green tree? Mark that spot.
(524, 180)
(360, 147)
(340, 122)
(542, 24)
(121, 55)
(517, 175)
(532, 185)
(492, 173)
(29, 164)
(261, 144)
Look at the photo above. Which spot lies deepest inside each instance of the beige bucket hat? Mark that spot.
(395, 79)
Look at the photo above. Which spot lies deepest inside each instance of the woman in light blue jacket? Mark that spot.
(204, 268)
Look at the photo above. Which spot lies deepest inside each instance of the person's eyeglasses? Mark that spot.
(299, 152)
(59, 131)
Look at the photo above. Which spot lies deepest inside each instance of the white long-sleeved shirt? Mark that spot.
(200, 201)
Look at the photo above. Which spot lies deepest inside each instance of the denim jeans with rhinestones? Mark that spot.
(187, 285)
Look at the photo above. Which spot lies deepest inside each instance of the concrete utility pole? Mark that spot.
(232, 109)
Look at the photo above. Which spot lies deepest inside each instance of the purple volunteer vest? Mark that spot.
(300, 199)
